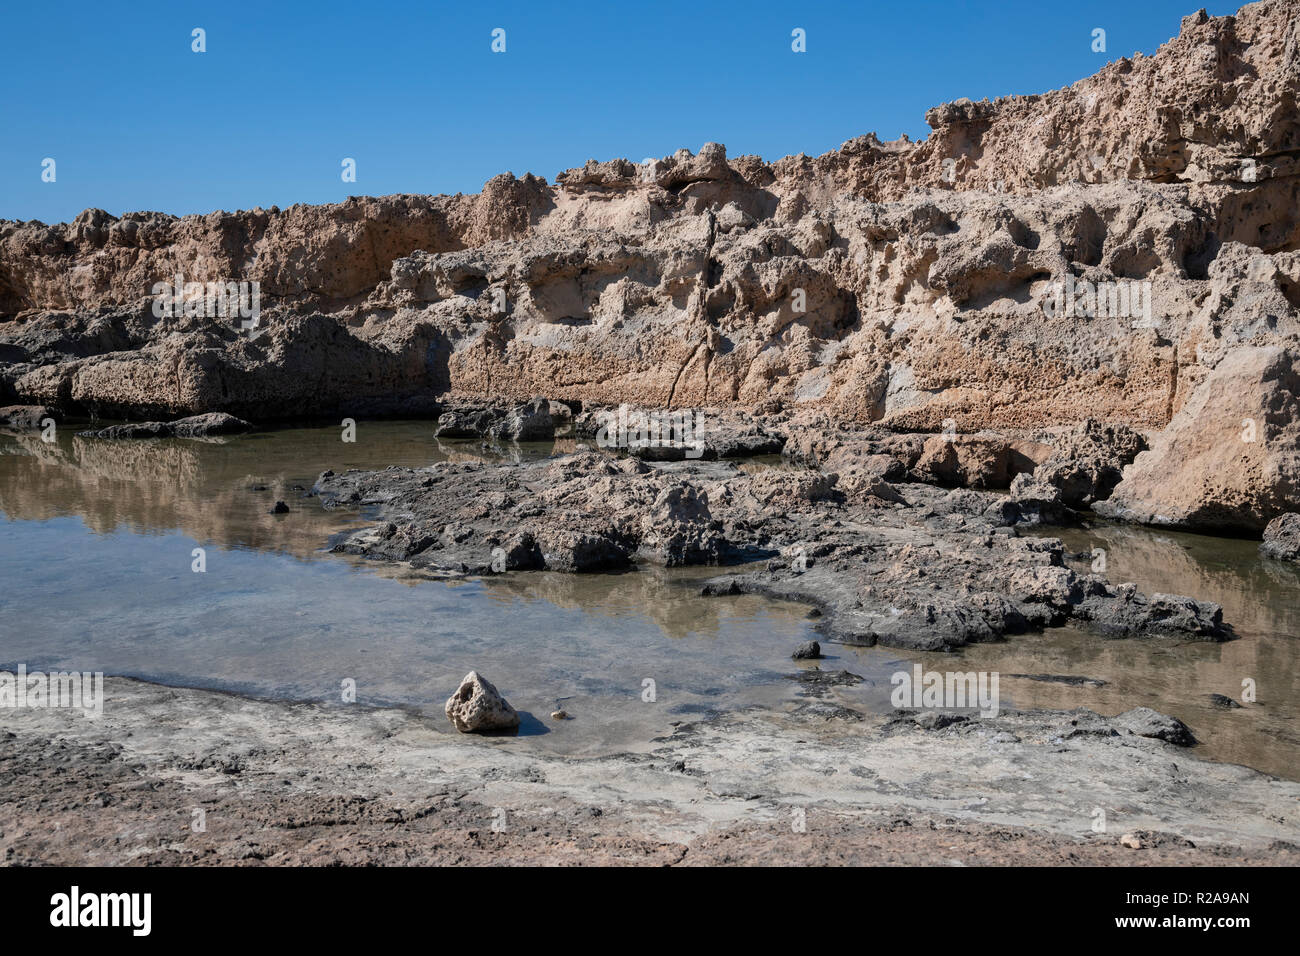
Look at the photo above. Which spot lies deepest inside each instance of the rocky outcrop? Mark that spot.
(1145, 722)
(1282, 538)
(1095, 252)
(478, 707)
(976, 462)
(1084, 467)
(918, 567)
(585, 512)
(536, 420)
(1230, 459)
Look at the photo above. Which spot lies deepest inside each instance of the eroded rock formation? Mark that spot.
(907, 565)
(1105, 251)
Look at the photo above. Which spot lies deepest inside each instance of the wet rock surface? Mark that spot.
(1070, 679)
(905, 565)
(281, 785)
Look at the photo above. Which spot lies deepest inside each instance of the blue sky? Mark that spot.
(412, 91)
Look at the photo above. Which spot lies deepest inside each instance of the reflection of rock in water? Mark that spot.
(214, 489)
(1282, 575)
(198, 487)
(1257, 596)
(470, 449)
(669, 598)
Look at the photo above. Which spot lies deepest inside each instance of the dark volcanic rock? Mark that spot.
(1125, 611)
(212, 423)
(727, 587)
(535, 420)
(585, 512)
(824, 710)
(1069, 679)
(709, 435)
(818, 683)
(938, 720)
(808, 650)
(1227, 703)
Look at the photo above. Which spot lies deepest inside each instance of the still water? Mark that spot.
(96, 557)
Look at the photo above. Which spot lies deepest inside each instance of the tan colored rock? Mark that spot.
(971, 461)
(1230, 459)
(478, 707)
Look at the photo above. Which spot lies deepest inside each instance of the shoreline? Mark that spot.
(297, 783)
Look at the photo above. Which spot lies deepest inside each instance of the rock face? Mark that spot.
(1084, 468)
(585, 512)
(1096, 252)
(537, 420)
(1230, 459)
(1282, 538)
(477, 707)
(975, 462)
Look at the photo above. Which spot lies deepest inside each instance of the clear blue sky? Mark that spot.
(136, 121)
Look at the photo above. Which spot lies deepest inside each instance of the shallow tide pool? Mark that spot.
(96, 557)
